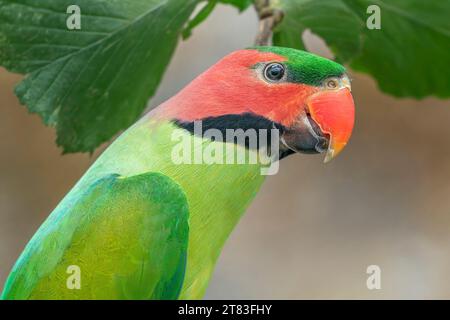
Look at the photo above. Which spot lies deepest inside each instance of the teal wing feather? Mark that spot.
(126, 238)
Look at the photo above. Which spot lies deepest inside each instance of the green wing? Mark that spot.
(124, 238)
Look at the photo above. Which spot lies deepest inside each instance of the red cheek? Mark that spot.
(287, 102)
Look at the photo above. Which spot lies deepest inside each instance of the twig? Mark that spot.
(269, 18)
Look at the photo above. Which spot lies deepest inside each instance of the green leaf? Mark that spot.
(240, 4)
(93, 82)
(199, 18)
(409, 55)
(207, 9)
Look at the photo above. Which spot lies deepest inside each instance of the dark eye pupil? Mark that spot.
(275, 72)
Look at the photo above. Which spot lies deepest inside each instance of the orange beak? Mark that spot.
(334, 112)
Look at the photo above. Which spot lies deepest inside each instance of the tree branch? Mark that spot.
(269, 18)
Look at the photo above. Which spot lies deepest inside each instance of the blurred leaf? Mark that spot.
(93, 82)
(208, 9)
(199, 18)
(240, 4)
(407, 57)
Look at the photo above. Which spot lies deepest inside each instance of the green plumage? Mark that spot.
(125, 224)
(105, 234)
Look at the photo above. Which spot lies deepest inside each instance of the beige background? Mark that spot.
(314, 228)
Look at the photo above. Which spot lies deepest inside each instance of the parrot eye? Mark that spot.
(274, 72)
(332, 83)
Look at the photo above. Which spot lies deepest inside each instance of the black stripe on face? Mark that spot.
(248, 122)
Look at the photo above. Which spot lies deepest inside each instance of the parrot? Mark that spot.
(139, 225)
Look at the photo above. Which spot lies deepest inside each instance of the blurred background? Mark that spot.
(313, 229)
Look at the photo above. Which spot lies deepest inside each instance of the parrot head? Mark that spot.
(306, 96)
